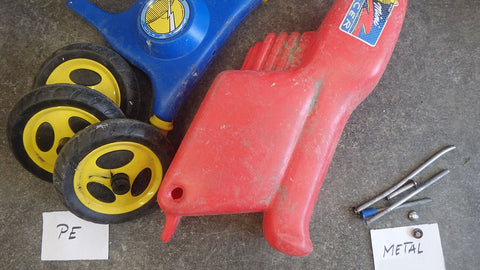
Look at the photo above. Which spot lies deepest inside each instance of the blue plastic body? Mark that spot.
(174, 63)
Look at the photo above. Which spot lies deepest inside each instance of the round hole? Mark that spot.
(177, 193)
(115, 159)
(141, 182)
(45, 137)
(101, 192)
(76, 123)
(85, 77)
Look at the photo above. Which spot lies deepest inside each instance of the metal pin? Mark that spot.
(358, 209)
(404, 188)
(420, 189)
(366, 213)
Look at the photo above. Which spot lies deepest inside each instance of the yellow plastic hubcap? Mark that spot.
(90, 172)
(108, 84)
(58, 121)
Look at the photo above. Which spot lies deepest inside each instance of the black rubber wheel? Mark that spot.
(97, 67)
(110, 172)
(43, 121)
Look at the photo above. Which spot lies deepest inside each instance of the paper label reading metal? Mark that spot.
(366, 19)
(399, 248)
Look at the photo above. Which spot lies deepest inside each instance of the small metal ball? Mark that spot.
(412, 215)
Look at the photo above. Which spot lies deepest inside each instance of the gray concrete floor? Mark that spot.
(427, 99)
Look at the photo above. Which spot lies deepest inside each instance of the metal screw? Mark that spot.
(412, 215)
(369, 212)
(365, 205)
(402, 189)
(420, 189)
(417, 233)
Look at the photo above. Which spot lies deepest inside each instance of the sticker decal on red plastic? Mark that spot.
(366, 19)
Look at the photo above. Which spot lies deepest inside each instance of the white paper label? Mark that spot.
(67, 237)
(397, 248)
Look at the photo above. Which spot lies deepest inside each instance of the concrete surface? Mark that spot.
(427, 99)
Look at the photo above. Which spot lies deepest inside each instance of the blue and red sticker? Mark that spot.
(366, 19)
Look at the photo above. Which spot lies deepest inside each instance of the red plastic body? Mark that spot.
(264, 136)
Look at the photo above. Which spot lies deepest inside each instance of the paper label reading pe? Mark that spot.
(67, 237)
(397, 248)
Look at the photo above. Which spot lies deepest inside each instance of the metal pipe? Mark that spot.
(420, 189)
(404, 188)
(366, 213)
(404, 180)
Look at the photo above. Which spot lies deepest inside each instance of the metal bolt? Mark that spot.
(402, 189)
(369, 212)
(420, 189)
(365, 205)
(412, 215)
(417, 233)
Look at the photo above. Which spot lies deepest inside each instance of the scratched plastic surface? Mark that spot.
(264, 136)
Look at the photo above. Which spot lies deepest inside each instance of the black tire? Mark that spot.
(128, 96)
(110, 172)
(43, 120)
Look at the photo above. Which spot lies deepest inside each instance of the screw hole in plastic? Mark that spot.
(177, 193)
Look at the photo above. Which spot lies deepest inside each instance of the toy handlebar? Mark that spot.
(264, 137)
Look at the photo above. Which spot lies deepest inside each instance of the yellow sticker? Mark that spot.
(163, 19)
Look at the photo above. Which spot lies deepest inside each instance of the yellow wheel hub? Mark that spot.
(93, 182)
(108, 84)
(57, 119)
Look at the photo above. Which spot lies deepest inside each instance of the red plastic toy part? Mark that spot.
(263, 137)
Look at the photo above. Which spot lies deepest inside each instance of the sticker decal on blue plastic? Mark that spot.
(366, 19)
(162, 19)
